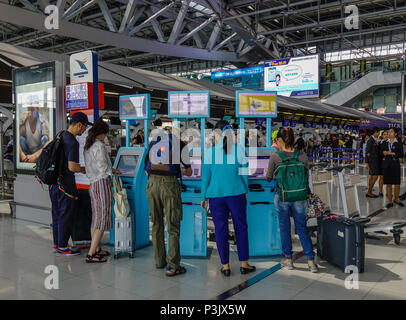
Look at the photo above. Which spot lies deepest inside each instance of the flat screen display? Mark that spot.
(314, 125)
(188, 104)
(330, 126)
(286, 123)
(325, 125)
(260, 121)
(196, 165)
(293, 77)
(257, 167)
(35, 103)
(134, 106)
(293, 124)
(127, 164)
(256, 103)
(307, 125)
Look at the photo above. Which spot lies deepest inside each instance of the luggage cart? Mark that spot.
(350, 201)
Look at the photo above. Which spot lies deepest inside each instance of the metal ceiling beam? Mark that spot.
(15, 15)
(129, 12)
(29, 5)
(68, 13)
(225, 41)
(135, 18)
(177, 28)
(157, 14)
(195, 30)
(214, 35)
(107, 15)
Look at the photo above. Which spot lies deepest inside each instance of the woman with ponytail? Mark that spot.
(224, 191)
(286, 141)
(99, 170)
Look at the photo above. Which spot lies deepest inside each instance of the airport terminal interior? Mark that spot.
(92, 93)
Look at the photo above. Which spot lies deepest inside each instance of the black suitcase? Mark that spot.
(82, 220)
(341, 241)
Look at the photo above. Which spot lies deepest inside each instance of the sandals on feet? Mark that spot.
(170, 272)
(95, 258)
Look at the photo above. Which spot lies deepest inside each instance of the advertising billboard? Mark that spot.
(293, 77)
(188, 104)
(256, 104)
(35, 103)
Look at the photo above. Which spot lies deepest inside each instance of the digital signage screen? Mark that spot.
(256, 103)
(293, 77)
(35, 103)
(134, 106)
(307, 125)
(314, 125)
(286, 123)
(188, 104)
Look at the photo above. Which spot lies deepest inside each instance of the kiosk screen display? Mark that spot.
(196, 164)
(254, 104)
(188, 104)
(133, 107)
(257, 166)
(127, 164)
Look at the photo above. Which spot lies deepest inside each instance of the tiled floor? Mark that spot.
(25, 251)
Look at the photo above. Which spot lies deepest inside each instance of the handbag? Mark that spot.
(121, 205)
(315, 207)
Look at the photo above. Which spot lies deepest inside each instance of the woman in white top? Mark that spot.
(99, 170)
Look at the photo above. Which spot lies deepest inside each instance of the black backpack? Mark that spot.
(49, 165)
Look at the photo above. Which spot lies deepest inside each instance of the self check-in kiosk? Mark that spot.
(193, 230)
(262, 218)
(130, 162)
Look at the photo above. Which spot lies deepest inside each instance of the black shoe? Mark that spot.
(225, 272)
(247, 270)
(380, 194)
(400, 204)
(373, 196)
(389, 205)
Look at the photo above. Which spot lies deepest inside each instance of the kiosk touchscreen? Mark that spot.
(131, 168)
(263, 225)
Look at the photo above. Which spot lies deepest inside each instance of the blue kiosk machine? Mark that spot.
(263, 225)
(193, 231)
(130, 161)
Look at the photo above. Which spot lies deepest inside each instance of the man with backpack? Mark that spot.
(289, 166)
(64, 193)
(162, 164)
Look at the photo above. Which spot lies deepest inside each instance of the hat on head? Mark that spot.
(80, 117)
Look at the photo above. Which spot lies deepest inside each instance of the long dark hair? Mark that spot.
(221, 126)
(99, 127)
(288, 137)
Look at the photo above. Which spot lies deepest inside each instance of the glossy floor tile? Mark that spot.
(26, 251)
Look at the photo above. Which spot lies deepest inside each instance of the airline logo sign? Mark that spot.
(82, 67)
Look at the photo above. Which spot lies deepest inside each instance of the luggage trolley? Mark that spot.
(350, 202)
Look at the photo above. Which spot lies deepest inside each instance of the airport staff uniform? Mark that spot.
(373, 157)
(225, 185)
(63, 196)
(164, 197)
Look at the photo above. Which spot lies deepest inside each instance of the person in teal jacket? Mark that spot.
(224, 191)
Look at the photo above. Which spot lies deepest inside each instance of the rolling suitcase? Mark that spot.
(123, 237)
(341, 241)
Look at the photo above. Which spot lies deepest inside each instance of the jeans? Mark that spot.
(299, 210)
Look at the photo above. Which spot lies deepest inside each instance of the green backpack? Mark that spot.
(292, 178)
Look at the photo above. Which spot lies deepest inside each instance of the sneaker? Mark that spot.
(313, 268)
(400, 204)
(67, 252)
(389, 205)
(287, 265)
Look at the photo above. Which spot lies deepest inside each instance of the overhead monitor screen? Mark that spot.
(260, 121)
(257, 167)
(127, 164)
(196, 165)
(293, 77)
(256, 103)
(286, 123)
(307, 125)
(314, 125)
(293, 124)
(134, 106)
(192, 103)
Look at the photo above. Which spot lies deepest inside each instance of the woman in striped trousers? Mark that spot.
(99, 171)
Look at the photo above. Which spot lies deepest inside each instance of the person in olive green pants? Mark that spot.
(163, 193)
(164, 197)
